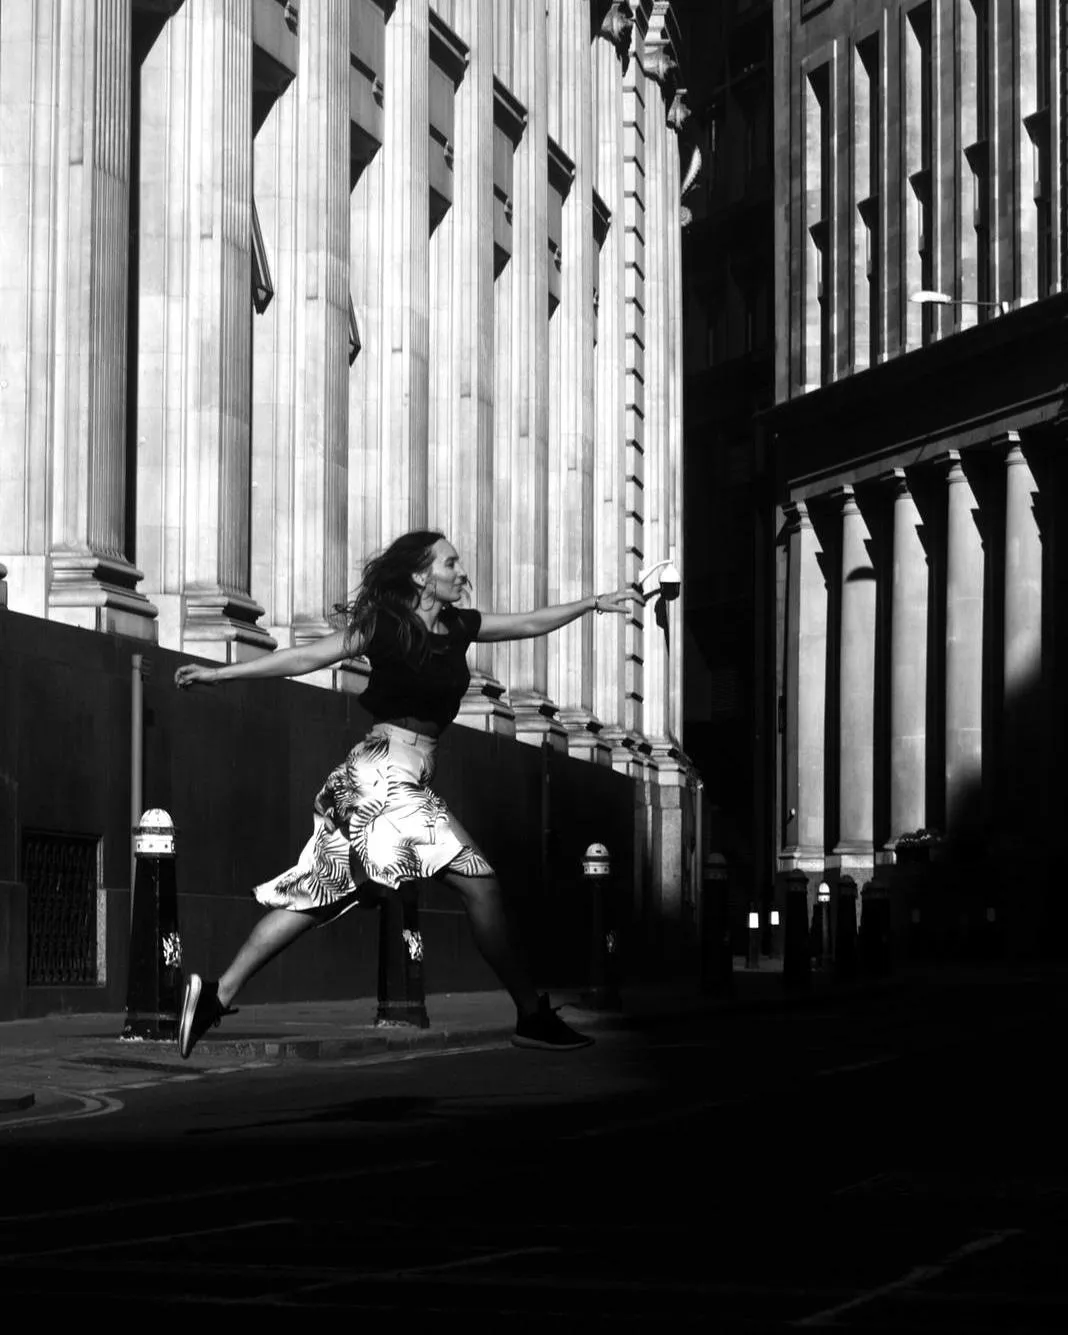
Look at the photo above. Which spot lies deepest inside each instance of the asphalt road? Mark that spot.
(897, 1165)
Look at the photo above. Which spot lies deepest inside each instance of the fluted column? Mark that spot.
(1022, 741)
(856, 689)
(92, 582)
(470, 357)
(29, 91)
(804, 619)
(676, 119)
(908, 664)
(406, 265)
(526, 502)
(195, 330)
(300, 417)
(964, 650)
(571, 417)
(609, 632)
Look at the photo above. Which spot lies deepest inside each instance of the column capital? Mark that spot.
(796, 515)
(846, 498)
(894, 480)
(949, 462)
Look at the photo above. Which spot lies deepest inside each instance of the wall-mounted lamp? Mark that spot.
(670, 583)
(925, 297)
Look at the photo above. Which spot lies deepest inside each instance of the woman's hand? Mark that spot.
(192, 674)
(617, 602)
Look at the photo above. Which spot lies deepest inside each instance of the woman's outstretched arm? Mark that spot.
(529, 625)
(293, 662)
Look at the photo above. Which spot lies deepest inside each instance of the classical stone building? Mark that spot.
(917, 453)
(281, 281)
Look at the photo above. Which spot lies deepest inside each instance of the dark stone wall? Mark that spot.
(238, 767)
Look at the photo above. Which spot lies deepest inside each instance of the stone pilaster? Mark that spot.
(676, 116)
(805, 693)
(571, 416)
(469, 359)
(908, 664)
(523, 497)
(610, 415)
(856, 693)
(300, 411)
(195, 332)
(1022, 713)
(88, 579)
(964, 650)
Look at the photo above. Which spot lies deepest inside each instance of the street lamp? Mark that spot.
(670, 580)
(925, 297)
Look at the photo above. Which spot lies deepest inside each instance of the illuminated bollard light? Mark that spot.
(717, 958)
(845, 944)
(821, 926)
(603, 991)
(401, 989)
(154, 977)
(797, 960)
(753, 957)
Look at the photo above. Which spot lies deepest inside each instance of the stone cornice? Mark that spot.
(602, 218)
(448, 51)
(509, 114)
(561, 169)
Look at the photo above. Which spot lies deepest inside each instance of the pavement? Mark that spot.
(48, 1060)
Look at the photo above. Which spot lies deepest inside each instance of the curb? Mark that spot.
(15, 1100)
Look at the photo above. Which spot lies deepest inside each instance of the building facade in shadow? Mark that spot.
(915, 454)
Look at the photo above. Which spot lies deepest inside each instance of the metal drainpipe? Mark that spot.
(137, 718)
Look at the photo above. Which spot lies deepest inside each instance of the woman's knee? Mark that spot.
(476, 890)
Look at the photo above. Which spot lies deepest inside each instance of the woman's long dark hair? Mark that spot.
(388, 586)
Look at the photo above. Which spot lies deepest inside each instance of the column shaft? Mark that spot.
(571, 418)
(964, 651)
(908, 666)
(805, 618)
(92, 582)
(1022, 743)
(856, 717)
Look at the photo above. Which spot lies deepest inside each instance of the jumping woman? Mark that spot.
(407, 622)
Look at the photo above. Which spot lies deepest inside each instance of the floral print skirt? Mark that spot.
(375, 812)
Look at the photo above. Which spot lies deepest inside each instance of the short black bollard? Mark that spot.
(875, 931)
(603, 991)
(401, 993)
(717, 958)
(845, 945)
(822, 951)
(752, 959)
(154, 979)
(797, 961)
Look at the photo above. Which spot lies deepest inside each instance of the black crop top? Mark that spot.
(427, 686)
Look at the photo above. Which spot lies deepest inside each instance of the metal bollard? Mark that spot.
(717, 959)
(822, 951)
(154, 979)
(753, 957)
(603, 991)
(845, 953)
(401, 992)
(797, 961)
(875, 941)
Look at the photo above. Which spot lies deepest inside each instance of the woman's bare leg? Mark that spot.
(276, 930)
(495, 935)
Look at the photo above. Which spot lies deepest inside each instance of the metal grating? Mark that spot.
(60, 875)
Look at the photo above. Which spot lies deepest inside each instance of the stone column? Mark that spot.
(403, 403)
(677, 115)
(805, 693)
(524, 576)
(856, 692)
(470, 358)
(195, 330)
(571, 416)
(610, 632)
(964, 649)
(300, 415)
(1022, 715)
(70, 362)
(29, 93)
(908, 665)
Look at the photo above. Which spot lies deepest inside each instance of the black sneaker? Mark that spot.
(545, 1029)
(200, 1010)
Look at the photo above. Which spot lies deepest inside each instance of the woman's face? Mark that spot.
(446, 579)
